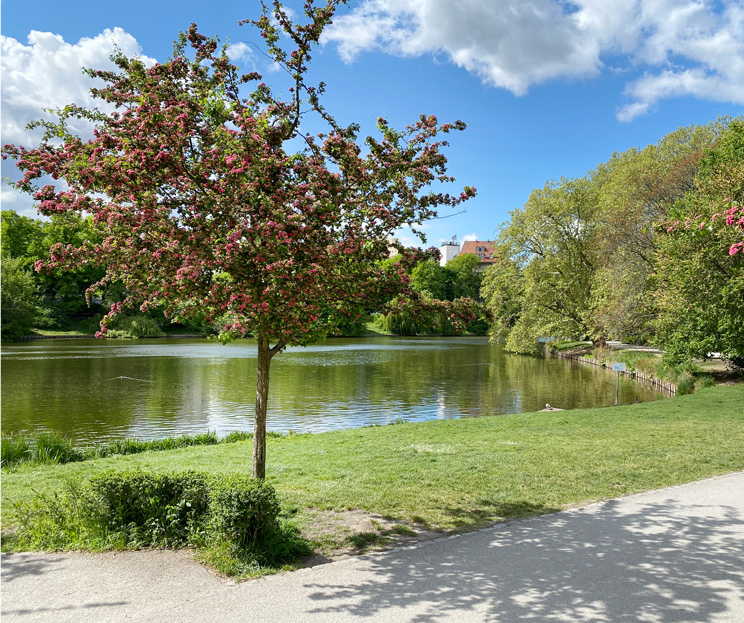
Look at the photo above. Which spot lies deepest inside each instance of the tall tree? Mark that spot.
(637, 188)
(211, 199)
(549, 246)
(701, 281)
(467, 281)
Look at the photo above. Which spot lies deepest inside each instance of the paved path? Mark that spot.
(670, 555)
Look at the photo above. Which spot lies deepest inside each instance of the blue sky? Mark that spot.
(548, 88)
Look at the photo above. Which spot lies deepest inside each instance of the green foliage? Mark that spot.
(123, 326)
(548, 247)
(353, 326)
(466, 281)
(18, 234)
(688, 377)
(503, 290)
(61, 293)
(421, 316)
(243, 510)
(583, 257)
(20, 301)
(457, 279)
(434, 281)
(233, 520)
(14, 449)
(54, 448)
(46, 448)
(636, 189)
(137, 508)
(63, 520)
(701, 286)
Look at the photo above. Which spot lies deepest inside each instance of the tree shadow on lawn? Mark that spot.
(492, 510)
(611, 562)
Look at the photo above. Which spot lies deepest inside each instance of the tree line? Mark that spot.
(442, 300)
(644, 249)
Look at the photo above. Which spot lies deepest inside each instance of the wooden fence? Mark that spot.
(664, 386)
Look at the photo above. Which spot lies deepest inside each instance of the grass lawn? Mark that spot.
(461, 474)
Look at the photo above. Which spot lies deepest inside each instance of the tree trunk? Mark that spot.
(262, 396)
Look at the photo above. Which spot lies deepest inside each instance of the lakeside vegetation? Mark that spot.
(688, 377)
(643, 249)
(456, 474)
(53, 448)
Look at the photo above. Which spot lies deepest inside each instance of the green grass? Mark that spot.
(461, 474)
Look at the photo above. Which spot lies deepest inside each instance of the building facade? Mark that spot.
(482, 249)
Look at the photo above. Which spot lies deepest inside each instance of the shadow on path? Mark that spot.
(658, 562)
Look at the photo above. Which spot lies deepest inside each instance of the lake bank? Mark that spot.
(459, 474)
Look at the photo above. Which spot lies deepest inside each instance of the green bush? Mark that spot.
(232, 520)
(243, 510)
(69, 520)
(151, 509)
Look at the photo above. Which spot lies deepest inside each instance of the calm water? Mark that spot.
(92, 390)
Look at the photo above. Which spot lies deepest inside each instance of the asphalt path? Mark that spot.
(673, 555)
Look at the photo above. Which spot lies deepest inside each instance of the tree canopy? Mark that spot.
(208, 198)
(586, 257)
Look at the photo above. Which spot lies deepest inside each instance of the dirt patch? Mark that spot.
(336, 535)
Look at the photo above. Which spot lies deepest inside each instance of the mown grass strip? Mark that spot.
(460, 474)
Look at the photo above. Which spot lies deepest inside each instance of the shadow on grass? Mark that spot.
(485, 510)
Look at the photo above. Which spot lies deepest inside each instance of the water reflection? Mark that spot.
(92, 390)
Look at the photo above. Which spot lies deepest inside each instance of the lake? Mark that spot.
(95, 390)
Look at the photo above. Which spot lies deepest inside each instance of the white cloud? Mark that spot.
(239, 51)
(47, 73)
(687, 47)
(469, 237)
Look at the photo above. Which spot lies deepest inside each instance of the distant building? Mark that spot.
(450, 250)
(482, 249)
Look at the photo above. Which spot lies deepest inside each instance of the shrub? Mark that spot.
(685, 383)
(232, 520)
(151, 509)
(69, 520)
(243, 510)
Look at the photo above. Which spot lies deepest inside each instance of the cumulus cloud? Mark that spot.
(239, 51)
(685, 47)
(469, 238)
(47, 73)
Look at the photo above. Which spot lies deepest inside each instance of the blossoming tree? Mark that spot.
(212, 197)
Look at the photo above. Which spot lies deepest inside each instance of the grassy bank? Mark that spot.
(459, 474)
(688, 377)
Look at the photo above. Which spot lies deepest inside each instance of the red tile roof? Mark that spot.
(482, 248)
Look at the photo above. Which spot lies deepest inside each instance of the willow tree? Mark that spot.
(212, 196)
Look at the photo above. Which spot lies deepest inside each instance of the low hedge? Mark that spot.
(233, 519)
